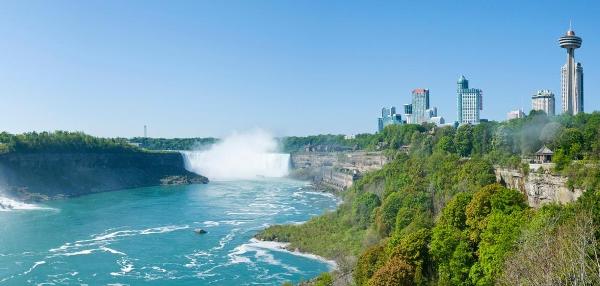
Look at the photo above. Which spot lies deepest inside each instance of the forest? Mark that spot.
(436, 216)
(62, 142)
(173, 143)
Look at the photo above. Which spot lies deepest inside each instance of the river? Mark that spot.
(146, 236)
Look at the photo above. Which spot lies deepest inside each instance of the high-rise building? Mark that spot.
(408, 108)
(543, 100)
(431, 112)
(469, 102)
(388, 117)
(420, 105)
(408, 113)
(571, 75)
(514, 114)
(437, 120)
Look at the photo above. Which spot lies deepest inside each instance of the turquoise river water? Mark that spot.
(146, 236)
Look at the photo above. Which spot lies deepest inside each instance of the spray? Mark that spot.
(240, 156)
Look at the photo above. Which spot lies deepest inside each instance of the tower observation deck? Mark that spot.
(571, 75)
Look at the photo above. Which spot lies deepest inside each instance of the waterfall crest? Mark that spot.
(244, 156)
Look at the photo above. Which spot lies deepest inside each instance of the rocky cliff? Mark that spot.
(540, 188)
(336, 170)
(40, 176)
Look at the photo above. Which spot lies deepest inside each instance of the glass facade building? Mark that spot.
(388, 117)
(469, 102)
(420, 106)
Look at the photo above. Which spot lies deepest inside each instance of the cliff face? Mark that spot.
(40, 176)
(539, 188)
(337, 170)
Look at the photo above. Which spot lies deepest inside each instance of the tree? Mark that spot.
(559, 253)
(388, 213)
(362, 208)
(571, 142)
(445, 144)
(449, 248)
(368, 263)
(464, 140)
(396, 272)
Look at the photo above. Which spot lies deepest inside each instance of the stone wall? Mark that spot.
(337, 170)
(539, 188)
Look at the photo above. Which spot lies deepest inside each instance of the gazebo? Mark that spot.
(544, 155)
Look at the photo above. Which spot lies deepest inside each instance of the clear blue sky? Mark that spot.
(205, 68)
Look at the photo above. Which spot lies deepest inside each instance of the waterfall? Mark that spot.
(240, 157)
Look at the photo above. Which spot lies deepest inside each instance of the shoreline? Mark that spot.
(284, 247)
(312, 186)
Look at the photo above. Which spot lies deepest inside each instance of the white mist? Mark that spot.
(240, 156)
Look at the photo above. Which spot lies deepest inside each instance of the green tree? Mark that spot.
(363, 207)
(463, 141)
(396, 272)
(368, 263)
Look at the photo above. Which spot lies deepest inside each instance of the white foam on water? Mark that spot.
(163, 229)
(236, 257)
(36, 264)
(261, 254)
(282, 247)
(100, 242)
(210, 223)
(233, 222)
(110, 250)
(82, 252)
(223, 241)
(126, 267)
(7, 205)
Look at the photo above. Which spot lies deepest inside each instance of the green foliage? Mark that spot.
(446, 144)
(63, 142)
(571, 143)
(395, 272)
(389, 211)
(396, 136)
(434, 215)
(173, 143)
(497, 241)
(363, 207)
(368, 263)
(463, 141)
(475, 234)
(325, 279)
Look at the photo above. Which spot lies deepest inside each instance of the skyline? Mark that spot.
(200, 69)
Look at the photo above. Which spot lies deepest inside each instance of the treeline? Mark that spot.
(294, 144)
(62, 142)
(173, 143)
(435, 216)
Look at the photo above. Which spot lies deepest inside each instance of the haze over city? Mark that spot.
(198, 69)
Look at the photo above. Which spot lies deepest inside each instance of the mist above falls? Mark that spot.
(240, 156)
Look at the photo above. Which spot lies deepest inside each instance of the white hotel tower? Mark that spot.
(543, 100)
(571, 75)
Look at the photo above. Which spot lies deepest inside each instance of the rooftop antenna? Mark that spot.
(570, 25)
